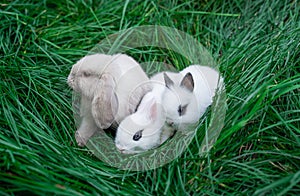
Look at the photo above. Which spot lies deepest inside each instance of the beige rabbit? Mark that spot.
(111, 87)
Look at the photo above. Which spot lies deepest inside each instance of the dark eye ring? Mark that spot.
(137, 135)
(182, 109)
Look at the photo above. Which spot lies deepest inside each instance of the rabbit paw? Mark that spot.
(80, 140)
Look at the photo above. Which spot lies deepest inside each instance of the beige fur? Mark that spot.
(111, 86)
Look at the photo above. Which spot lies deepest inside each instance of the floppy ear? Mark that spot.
(168, 81)
(188, 82)
(105, 103)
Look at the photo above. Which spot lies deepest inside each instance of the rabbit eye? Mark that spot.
(182, 109)
(137, 135)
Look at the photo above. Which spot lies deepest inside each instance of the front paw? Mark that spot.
(80, 140)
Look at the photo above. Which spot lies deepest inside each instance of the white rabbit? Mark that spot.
(188, 95)
(111, 86)
(146, 128)
(141, 130)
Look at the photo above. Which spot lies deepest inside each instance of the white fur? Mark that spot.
(155, 130)
(205, 84)
(150, 119)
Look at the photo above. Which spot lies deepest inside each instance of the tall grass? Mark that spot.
(256, 45)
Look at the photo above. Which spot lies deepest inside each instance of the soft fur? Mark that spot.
(111, 87)
(194, 88)
(148, 119)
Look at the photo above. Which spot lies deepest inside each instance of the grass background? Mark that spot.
(256, 45)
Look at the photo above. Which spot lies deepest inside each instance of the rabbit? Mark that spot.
(188, 95)
(141, 130)
(111, 86)
(146, 128)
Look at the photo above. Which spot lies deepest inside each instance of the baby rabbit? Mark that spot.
(187, 97)
(110, 86)
(146, 128)
(141, 130)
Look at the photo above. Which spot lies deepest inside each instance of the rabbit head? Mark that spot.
(141, 130)
(179, 101)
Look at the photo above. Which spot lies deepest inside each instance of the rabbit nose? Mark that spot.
(121, 150)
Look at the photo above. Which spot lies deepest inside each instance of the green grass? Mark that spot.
(256, 46)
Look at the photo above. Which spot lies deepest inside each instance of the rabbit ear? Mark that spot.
(188, 82)
(105, 103)
(153, 111)
(148, 107)
(168, 81)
